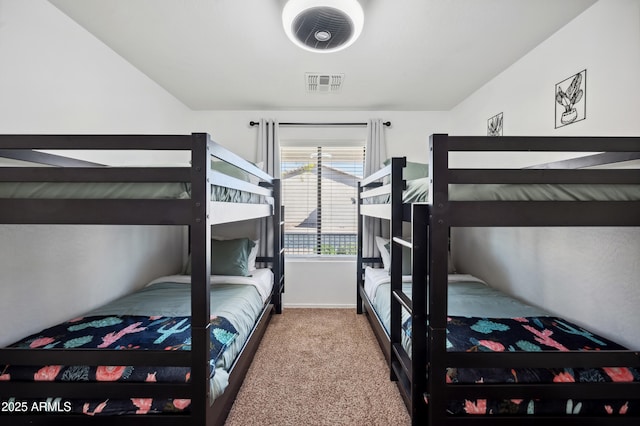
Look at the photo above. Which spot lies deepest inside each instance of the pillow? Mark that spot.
(415, 170)
(254, 179)
(229, 257)
(406, 258)
(381, 243)
(384, 246)
(412, 170)
(253, 254)
(230, 170)
(406, 261)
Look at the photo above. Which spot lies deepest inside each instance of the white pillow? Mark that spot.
(253, 254)
(384, 252)
(254, 179)
(383, 244)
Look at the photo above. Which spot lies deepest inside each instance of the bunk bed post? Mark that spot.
(359, 265)
(200, 236)
(437, 236)
(397, 187)
(278, 247)
(419, 226)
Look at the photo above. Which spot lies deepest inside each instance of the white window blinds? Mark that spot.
(319, 190)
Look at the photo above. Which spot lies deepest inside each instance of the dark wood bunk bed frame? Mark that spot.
(396, 212)
(196, 213)
(422, 375)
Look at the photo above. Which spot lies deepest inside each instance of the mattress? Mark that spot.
(418, 191)
(236, 303)
(467, 296)
(120, 190)
(484, 319)
(533, 334)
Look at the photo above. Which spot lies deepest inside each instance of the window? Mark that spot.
(319, 190)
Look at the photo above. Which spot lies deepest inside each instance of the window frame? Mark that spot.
(320, 246)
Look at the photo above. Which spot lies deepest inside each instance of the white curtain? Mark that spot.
(269, 160)
(269, 147)
(375, 155)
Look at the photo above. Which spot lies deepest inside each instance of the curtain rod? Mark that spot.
(255, 123)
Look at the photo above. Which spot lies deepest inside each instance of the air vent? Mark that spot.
(324, 83)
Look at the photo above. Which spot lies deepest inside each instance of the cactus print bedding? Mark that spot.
(471, 334)
(126, 332)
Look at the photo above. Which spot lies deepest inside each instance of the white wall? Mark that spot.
(587, 275)
(57, 78)
(603, 40)
(323, 283)
(53, 273)
(326, 283)
(408, 134)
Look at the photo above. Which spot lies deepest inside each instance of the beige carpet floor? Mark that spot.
(318, 367)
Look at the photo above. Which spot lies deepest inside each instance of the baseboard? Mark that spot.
(318, 306)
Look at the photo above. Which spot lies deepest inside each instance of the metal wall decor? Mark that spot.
(494, 125)
(570, 99)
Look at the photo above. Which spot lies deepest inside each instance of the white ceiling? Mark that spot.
(234, 55)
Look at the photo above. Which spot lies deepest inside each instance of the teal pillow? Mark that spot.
(413, 170)
(228, 257)
(230, 170)
(231, 257)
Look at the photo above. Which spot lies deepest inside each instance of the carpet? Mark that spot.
(318, 367)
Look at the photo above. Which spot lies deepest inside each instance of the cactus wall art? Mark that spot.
(570, 99)
(494, 125)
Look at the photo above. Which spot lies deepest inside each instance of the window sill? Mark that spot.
(319, 258)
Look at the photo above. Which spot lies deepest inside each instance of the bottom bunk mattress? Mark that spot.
(533, 334)
(467, 296)
(484, 319)
(155, 317)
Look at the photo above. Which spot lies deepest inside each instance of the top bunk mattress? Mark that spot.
(418, 191)
(121, 190)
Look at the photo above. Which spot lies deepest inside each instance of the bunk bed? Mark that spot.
(429, 372)
(386, 194)
(189, 195)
